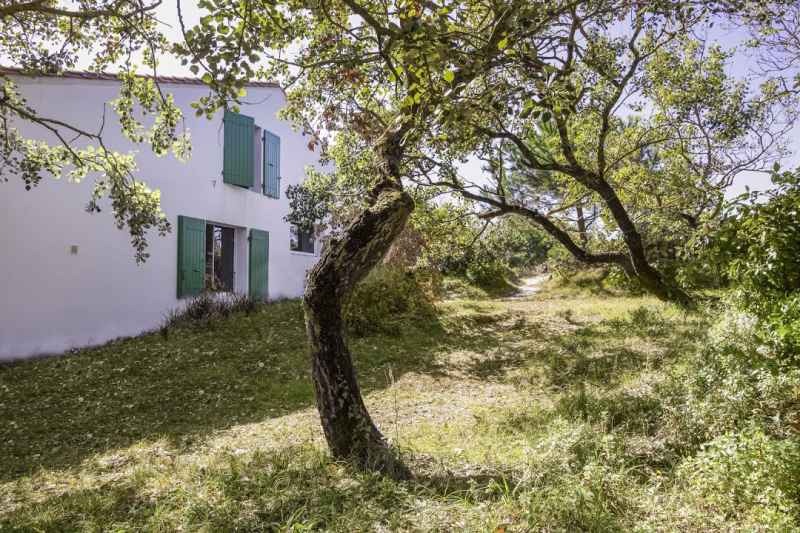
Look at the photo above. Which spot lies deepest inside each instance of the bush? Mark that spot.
(561, 264)
(492, 276)
(747, 476)
(207, 308)
(386, 295)
(733, 383)
(456, 245)
(760, 246)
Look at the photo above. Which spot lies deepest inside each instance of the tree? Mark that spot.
(422, 51)
(389, 73)
(615, 103)
(775, 36)
(42, 37)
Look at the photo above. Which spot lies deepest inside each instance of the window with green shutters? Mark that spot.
(238, 166)
(259, 264)
(191, 256)
(272, 165)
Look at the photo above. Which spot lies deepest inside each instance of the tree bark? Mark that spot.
(634, 263)
(582, 233)
(349, 430)
(649, 277)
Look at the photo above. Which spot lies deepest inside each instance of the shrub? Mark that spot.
(491, 276)
(734, 382)
(458, 287)
(748, 476)
(386, 295)
(561, 264)
(456, 245)
(207, 308)
(760, 247)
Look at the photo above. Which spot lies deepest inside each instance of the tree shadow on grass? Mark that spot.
(599, 353)
(56, 412)
(82, 510)
(264, 491)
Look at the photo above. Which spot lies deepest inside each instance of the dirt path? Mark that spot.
(530, 286)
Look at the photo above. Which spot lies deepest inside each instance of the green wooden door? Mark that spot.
(191, 256)
(272, 165)
(259, 264)
(238, 167)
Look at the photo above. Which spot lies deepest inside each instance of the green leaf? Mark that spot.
(449, 76)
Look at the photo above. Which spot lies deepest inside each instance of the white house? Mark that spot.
(69, 278)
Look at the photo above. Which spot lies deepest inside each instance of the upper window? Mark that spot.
(272, 165)
(251, 156)
(238, 167)
(301, 240)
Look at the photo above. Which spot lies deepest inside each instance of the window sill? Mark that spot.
(306, 254)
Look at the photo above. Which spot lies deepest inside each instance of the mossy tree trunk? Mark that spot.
(349, 430)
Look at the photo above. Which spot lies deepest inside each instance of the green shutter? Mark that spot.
(272, 165)
(191, 256)
(238, 167)
(259, 264)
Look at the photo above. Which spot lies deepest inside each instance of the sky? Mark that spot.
(743, 65)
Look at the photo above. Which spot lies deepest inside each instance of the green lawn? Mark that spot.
(515, 415)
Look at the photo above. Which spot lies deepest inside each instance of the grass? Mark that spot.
(514, 414)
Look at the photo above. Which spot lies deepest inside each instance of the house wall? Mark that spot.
(52, 300)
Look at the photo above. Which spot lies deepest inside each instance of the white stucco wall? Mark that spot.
(52, 300)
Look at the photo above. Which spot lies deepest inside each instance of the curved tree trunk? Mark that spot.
(651, 279)
(349, 430)
(634, 263)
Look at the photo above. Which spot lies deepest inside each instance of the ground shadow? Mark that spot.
(57, 412)
(294, 487)
(580, 352)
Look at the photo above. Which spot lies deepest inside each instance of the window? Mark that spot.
(272, 165)
(191, 255)
(251, 155)
(259, 265)
(301, 240)
(219, 258)
(238, 166)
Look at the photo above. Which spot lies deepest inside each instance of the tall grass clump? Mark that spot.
(387, 296)
(731, 418)
(207, 308)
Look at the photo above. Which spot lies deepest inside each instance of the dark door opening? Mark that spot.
(219, 258)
